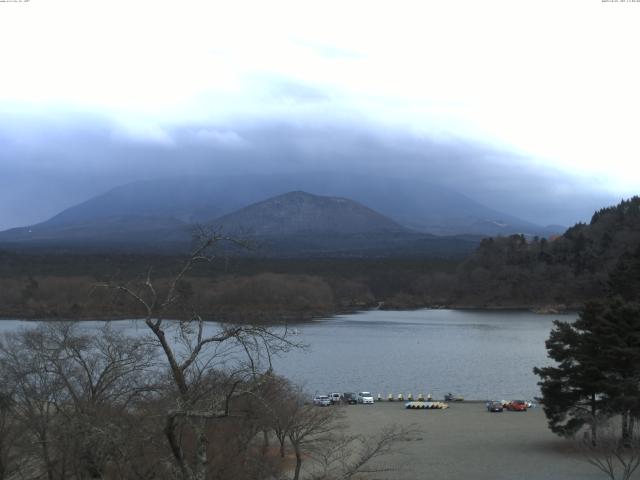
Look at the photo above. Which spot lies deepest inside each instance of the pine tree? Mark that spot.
(624, 281)
(574, 390)
(598, 360)
(619, 332)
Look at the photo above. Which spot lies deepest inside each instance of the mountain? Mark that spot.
(300, 224)
(301, 213)
(294, 224)
(416, 203)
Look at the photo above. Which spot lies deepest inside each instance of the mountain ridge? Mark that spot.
(293, 224)
(413, 203)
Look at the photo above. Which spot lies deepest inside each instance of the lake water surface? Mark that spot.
(478, 354)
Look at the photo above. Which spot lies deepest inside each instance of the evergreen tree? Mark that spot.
(619, 333)
(574, 390)
(624, 281)
(598, 359)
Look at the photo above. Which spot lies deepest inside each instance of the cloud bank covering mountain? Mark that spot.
(51, 165)
(257, 203)
(480, 102)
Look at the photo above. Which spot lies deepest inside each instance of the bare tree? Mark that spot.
(187, 400)
(278, 402)
(10, 433)
(317, 434)
(618, 459)
(192, 349)
(105, 367)
(346, 456)
(71, 391)
(37, 395)
(103, 375)
(309, 427)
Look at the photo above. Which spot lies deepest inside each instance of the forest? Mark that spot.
(564, 271)
(515, 271)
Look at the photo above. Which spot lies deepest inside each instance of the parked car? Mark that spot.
(365, 397)
(350, 398)
(335, 398)
(516, 406)
(322, 400)
(450, 397)
(495, 407)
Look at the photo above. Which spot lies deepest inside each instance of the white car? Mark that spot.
(322, 400)
(365, 397)
(335, 398)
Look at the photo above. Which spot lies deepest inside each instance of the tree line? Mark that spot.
(240, 290)
(567, 270)
(514, 271)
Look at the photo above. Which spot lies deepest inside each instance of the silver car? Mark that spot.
(322, 400)
(365, 397)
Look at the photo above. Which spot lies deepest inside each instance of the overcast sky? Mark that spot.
(496, 97)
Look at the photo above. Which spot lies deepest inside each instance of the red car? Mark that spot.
(516, 406)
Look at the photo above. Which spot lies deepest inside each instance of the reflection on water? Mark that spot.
(478, 354)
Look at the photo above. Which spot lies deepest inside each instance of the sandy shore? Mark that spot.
(466, 442)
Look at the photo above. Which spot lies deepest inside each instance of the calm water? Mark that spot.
(478, 354)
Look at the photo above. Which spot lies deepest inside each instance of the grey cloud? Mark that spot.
(48, 164)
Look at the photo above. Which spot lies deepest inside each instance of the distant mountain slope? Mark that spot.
(416, 203)
(120, 230)
(297, 213)
(185, 199)
(295, 224)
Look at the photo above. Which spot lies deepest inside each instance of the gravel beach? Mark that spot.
(467, 442)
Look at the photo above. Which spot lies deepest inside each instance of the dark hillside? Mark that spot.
(303, 213)
(567, 270)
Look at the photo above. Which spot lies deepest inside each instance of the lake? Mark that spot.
(479, 354)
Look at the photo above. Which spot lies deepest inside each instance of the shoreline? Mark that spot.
(292, 319)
